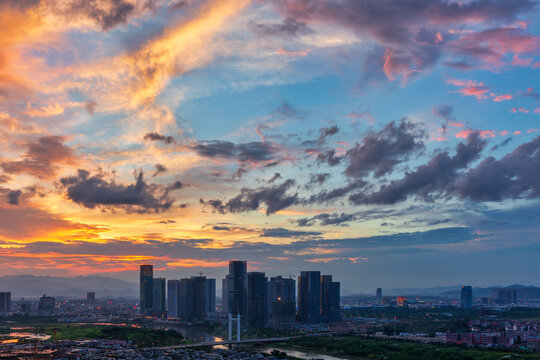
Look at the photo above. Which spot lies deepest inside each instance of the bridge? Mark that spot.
(226, 342)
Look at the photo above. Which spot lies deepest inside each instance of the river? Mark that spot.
(199, 335)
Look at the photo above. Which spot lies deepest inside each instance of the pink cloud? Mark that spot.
(519, 109)
(396, 64)
(516, 60)
(502, 98)
(537, 111)
(517, 132)
(301, 53)
(364, 115)
(463, 134)
(532, 130)
(470, 88)
(491, 46)
(456, 124)
(503, 133)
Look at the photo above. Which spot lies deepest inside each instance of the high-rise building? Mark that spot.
(378, 294)
(26, 307)
(46, 305)
(237, 288)
(257, 299)
(309, 297)
(225, 294)
(466, 297)
(199, 296)
(5, 302)
(210, 297)
(191, 296)
(90, 297)
(185, 299)
(330, 301)
(158, 297)
(146, 290)
(504, 296)
(172, 298)
(282, 303)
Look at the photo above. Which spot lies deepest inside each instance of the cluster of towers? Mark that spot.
(251, 297)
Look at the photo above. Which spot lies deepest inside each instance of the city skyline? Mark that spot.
(391, 144)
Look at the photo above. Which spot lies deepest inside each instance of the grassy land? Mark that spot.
(378, 349)
(138, 336)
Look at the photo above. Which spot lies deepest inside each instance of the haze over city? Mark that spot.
(388, 143)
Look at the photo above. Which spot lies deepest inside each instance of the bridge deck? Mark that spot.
(215, 343)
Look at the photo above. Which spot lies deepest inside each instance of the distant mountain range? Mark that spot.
(443, 291)
(34, 286)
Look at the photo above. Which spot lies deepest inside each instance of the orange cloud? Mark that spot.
(502, 98)
(463, 134)
(189, 263)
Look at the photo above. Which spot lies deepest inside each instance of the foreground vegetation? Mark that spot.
(141, 337)
(378, 349)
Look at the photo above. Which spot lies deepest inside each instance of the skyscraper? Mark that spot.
(237, 288)
(378, 294)
(185, 299)
(210, 297)
(282, 303)
(146, 289)
(309, 296)
(330, 301)
(188, 298)
(466, 297)
(5, 302)
(172, 298)
(257, 299)
(46, 305)
(504, 296)
(158, 297)
(199, 296)
(225, 295)
(90, 297)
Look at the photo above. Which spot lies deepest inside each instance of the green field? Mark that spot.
(141, 337)
(138, 336)
(356, 347)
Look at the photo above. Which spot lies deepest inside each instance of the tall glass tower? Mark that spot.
(147, 290)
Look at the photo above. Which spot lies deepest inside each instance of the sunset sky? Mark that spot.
(388, 143)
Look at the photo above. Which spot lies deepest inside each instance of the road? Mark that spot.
(232, 342)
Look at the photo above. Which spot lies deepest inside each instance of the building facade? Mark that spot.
(172, 298)
(378, 295)
(257, 299)
(158, 297)
(46, 305)
(309, 297)
(199, 297)
(237, 288)
(5, 302)
(210, 297)
(466, 297)
(330, 299)
(146, 303)
(282, 303)
(90, 297)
